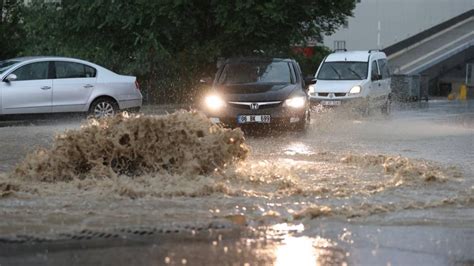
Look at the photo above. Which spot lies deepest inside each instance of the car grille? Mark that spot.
(337, 94)
(261, 105)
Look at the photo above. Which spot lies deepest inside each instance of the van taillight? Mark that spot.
(137, 85)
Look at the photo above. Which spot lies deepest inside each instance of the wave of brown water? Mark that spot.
(320, 175)
(324, 185)
(262, 188)
(180, 143)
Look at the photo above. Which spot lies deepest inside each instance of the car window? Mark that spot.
(5, 65)
(298, 73)
(255, 72)
(384, 68)
(375, 68)
(33, 71)
(67, 70)
(292, 73)
(343, 71)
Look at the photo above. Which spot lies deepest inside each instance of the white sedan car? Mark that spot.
(39, 85)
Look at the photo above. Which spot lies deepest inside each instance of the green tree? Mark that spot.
(11, 32)
(169, 44)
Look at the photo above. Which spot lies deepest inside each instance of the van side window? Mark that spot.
(375, 68)
(385, 71)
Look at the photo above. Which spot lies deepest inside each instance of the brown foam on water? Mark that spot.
(330, 175)
(177, 167)
(7, 188)
(180, 143)
(322, 175)
(184, 154)
(324, 184)
(404, 169)
(367, 209)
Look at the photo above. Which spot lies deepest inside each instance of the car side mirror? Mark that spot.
(206, 81)
(310, 80)
(376, 77)
(10, 78)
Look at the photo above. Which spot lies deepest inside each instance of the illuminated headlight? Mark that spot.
(296, 102)
(311, 90)
(355, 90)
(214, 102)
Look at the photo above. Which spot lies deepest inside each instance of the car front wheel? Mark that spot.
(303, 124)
(103, 107)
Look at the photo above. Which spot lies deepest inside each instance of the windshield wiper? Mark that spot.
(335, 70)
(355, 73)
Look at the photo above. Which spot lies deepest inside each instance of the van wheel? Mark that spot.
(387, 107)
(365, 109)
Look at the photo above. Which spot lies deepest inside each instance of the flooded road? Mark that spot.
(352, 190)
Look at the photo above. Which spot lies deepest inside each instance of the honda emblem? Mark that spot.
(254, 106)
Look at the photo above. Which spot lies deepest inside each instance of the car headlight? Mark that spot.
(296, 102)
(355, 90)
(214, 102)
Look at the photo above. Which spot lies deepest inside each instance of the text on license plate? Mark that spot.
(331, 103)
(242, 119)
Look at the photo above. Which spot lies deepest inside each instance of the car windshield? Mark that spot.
(343, 71)
(255, 72)
(4, 65)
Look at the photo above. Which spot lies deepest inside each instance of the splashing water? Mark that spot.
(186, 165)
(181, 143)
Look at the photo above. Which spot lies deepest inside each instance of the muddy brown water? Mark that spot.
(352, 190)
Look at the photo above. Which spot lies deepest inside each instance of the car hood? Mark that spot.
(256, 92)
(334, 86)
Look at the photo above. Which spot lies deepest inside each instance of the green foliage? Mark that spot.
(170, 44)
(11, 32)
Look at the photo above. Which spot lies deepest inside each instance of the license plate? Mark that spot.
(243, 119)
(331, 103)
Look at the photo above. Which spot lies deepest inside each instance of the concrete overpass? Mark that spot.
(436, 53)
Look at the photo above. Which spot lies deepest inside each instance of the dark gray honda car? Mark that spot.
(250, 91)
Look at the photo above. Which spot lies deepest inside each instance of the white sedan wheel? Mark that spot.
(103, 108)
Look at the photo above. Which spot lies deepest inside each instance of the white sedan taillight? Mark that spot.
(137, 85)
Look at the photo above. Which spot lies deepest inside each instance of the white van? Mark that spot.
(360, 77)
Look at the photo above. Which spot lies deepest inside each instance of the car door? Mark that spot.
(72, 86)
(31, 92)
